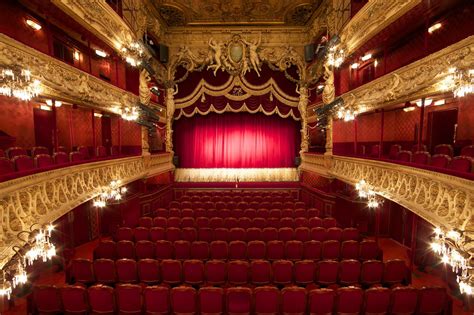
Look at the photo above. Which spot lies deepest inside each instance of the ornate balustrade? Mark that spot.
(46, 196)
(443, 200)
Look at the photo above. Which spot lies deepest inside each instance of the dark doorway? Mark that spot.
(44, 125)
(106, 132)
(441, 127)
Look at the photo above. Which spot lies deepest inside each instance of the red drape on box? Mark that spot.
(236, 140)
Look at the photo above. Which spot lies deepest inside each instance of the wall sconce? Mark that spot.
(34, 25)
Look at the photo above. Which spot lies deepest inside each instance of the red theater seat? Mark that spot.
(330, 250)
(43, 160)
(126, 270)
(183, 300)
(193, 272)
(156, 300)
(82, 271)
(76, 157)
(432, 300)
(23, 163)
(237, 250)
(349, 300)
(149, 271)
(157, 234)
(403, 300)
(371, 272)
(219, 250)
(101, 299)
(269, 234)
(312, 250)
(445, 149)
(47, 300)
(377, 301)
(173, 234)
(327, 272)
(304, 272)
(329, 223)
(293, 300)
(394, 149)
(282, 272)
(267, 300)
(164, 250)
(461, 164)
(106, 249)
(254, 234)
(104, 271)
(294, 250)
(216, 272)
(101, 151)
(205, 235)
(350, 250)
(189, 234)
(182, 250)
(321, 301)
(187, 222)
(350, 234)
(238, 301)
(313, 212)
(237, 272)
(315, 222)
(200, 250)
(318, 234)
(129, 298)
(421, 157)
(211, 300)
(6, 166)
(275, 250)
(395, 272)
(60, 158)
(261, 272)
(141, 234)
(124, 234)
(15, 151)
(334, 233)
(256, 250)
(125, 249)
(368, 250)
(404, 156)
(237, 234)
(440, 160)
(285, 234)
(145, 222)
(74, 299)
(171, 271)
(84, 152)
(349, 272)
(144, 250)
(468, 151)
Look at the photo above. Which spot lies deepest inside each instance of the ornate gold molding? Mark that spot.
(64, 82)
(418, 79)
(44, 197)
(371, 19)
(210, 175)
(441, 199)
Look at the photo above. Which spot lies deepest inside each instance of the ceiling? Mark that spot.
(236, 12)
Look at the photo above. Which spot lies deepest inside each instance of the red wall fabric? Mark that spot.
(236, 140)
(16, 120)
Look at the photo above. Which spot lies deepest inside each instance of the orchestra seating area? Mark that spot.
(244, 252)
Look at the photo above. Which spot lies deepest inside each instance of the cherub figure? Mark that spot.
(216, 60)
(253, 54)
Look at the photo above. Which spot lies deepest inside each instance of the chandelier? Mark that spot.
(5, 287)
(348, 114)
(452, 247)
(41, 246)
(130, 113)
(18, 83)
(366, 191)
(335, 56)
(113, 192)
(133, 53)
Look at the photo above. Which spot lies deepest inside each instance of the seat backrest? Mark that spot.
(403, 300)
(238, 272)
(129, 298)
(23, 163)
(15, 151)
(39, 150)
(104, 271)
(74, 299)
(395, 272)
(144, 249)
(304, 272)
(350, 250)
(371, 272)
(6, 166)
(421, 157)
(125, 249)
(404, 156)
(101, 299)
(84, 151)
(260, 272)
(101, 151)
(47, 299)
(171, 271)
(377, 301)
(461, 164)
(446, 149)
(76, 156)
(321, 301)
(60, 158)
(183, 300)
(468, 151)
(216, 272)
(330, 250)
(238, 300)
(82, 271)
(432, 300)
(267, 300)
(369, 250)
(148, 271)
(349, 300)
(327, 272)
(349, 272)
(312, 250)
(394, 149)
(211, 300)
(293, 300)
(440, 160)
(282, 272)
(193, 272)
(43, 160)
(156, 300)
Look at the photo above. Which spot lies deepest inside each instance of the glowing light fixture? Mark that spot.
(113, 192)
(434, 28)
(453, 248)
(376, 63)
(335, 57)
(428, 102)
(77, 55)
(366, 191)
(45, 107)
(18, 83)
(101, 53)
(33, 25)
(130, 113)
(366, 57)
(439, 102)
(98, 115)
(408, 109)
(355, 65)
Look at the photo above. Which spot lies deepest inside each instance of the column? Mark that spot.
(170, 106)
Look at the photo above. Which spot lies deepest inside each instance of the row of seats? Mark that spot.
(100, 151)
(207, 234)
(272, 250)
(458, 163)
(237, 213)
(239, 272)
(237, 198)
(243, 222)
(444, 149)
(237, 205)
(265, 300)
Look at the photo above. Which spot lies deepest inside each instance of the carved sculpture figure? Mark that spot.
(144, 90)
(253, 53)
(170, 107)
(302, 107)
(217, 55)
(329, 92)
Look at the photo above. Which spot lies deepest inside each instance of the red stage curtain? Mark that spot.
(236, 140)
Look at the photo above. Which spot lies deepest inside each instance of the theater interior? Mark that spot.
(237, 157)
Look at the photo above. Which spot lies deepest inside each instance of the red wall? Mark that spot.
(16, 120)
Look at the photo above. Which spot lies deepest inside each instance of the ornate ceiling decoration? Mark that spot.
(236, 12)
